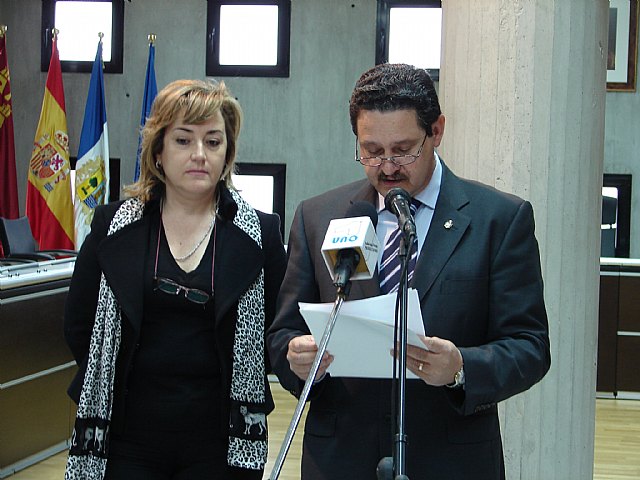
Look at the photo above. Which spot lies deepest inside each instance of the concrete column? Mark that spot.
(522, 86)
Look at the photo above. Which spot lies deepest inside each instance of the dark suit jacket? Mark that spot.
(122, 258)
(480, 286)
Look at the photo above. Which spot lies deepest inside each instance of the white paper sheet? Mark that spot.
(362, 338)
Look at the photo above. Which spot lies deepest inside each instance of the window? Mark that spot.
(79, 23)
(263, 186)
(410, 32)
(248, 38)
(616, 215)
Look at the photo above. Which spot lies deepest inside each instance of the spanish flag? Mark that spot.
(49, 204)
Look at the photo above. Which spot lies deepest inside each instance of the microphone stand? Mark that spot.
(403, 295)
(342, 294)
(397, 472)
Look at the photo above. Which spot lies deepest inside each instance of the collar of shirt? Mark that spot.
(387, 221)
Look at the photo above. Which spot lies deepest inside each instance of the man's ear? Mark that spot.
(437, 128)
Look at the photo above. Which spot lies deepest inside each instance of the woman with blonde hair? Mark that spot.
(170, 299)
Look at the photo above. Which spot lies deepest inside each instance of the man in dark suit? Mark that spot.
(480, 286)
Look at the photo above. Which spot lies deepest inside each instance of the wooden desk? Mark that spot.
(619, 328)
(36, 366)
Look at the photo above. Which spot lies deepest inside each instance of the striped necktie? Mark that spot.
(389, 272)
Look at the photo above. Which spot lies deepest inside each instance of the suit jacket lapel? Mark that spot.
(234, 272)
(447, 228)
(122, 259)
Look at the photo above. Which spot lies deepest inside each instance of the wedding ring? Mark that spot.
(420, 367)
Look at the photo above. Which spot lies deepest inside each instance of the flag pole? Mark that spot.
(100, 37)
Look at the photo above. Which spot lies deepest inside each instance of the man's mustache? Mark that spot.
(391, 178)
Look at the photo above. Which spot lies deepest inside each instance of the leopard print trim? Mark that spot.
(247, 422)
(247, 443)
(90, 438)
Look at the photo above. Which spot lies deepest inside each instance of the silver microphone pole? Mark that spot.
(346, 264)
(297, 414)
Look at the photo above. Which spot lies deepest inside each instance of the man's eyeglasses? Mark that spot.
(194, 295)
(399, 160)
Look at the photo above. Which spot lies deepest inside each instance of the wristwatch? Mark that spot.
(458, 379)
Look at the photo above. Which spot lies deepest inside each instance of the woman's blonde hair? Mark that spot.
(196, 101)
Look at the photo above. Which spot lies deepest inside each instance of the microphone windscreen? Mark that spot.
(395, 193)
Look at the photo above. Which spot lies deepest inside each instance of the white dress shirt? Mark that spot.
(388, 222)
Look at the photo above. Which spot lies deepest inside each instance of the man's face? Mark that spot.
(397, 133)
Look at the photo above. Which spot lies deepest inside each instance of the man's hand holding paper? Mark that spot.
(362, 336)
(301, 354)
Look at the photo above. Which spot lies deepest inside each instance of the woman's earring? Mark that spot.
(158, 165)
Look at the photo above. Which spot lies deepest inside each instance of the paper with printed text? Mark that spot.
(362, 338)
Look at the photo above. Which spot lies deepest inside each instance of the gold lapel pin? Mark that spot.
(448, 224)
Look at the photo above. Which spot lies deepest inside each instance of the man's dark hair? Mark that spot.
(396, 86)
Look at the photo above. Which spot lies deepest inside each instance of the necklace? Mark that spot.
(197, 245)
(172, 283)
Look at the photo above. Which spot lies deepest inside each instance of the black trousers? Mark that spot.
(153, 455)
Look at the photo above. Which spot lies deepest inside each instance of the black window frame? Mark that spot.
(382, 27)
(213, 67)
(278, 171)
(115, 65)
(622, 182)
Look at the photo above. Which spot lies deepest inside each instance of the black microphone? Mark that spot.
(398, 202)
(348, 259)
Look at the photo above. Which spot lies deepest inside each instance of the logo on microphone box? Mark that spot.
(347, 233)
(357, 233)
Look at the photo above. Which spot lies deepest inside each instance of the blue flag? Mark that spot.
(92, 167)
(150, 92)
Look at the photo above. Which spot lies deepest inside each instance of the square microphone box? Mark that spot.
(357, 233)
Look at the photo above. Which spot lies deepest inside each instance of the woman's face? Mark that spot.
(193, 157)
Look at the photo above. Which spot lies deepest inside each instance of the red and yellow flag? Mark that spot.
(8, 182)
(49, 204)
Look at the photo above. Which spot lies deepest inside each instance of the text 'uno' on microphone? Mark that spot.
(350, 248)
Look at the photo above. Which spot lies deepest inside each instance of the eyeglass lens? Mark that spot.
(399, 160)
(194, 295)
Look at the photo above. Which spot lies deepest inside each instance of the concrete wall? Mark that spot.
(302, 120)
(622, 150)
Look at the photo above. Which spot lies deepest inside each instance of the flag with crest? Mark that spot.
(92, 167)
(49, 204)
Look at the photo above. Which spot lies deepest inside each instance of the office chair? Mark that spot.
(18, 242)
